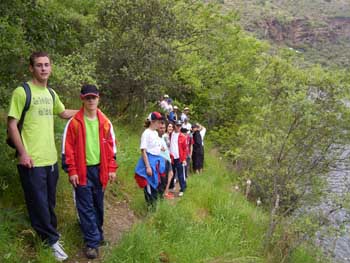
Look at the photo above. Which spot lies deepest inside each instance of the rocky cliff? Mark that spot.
(303, 31)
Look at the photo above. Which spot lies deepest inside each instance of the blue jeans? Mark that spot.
(180, 171)
(39, 186)
(89, 202)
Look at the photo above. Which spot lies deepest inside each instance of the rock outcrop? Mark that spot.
(305, 31)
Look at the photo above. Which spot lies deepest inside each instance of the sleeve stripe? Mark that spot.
(64, 136)
(113, 137)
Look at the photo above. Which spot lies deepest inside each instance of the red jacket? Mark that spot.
(73, 148)
(182, 144)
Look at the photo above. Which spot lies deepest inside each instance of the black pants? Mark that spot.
(151, 195)
(39, 186)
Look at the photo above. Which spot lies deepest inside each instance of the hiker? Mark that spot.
(185, 114)
(150, 165)
(173, 115)
(166, 103)
(187, 125)
(178, 150)
(166, 135)
(197, 150)
(36, 149)
(188, 136)
(202, 131)
(89, 157)
(165, 180)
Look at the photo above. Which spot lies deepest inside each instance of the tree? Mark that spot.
(289, 140)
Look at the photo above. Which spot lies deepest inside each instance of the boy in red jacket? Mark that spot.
(89, 157)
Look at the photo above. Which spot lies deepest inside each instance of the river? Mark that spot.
(334, 237)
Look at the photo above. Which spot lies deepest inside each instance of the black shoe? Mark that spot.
(91, 253)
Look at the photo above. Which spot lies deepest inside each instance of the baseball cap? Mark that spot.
(186, 108)
(89, 90)
(178, 123)
(153, 116)
(175, 107)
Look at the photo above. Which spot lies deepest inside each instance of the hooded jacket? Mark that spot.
(73, 148)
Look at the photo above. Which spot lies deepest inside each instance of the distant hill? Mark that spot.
(320, 29)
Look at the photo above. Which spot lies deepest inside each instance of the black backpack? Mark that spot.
(24, 111)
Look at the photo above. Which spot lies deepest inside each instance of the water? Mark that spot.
(335, 237)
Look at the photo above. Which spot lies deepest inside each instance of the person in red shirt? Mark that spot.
(178, 148)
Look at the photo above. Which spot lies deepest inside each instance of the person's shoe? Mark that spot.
(104, 243)
(91, 253)
(58, 252)
(169, 196)
(181, 194)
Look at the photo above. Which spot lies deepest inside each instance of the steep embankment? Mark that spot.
(318, 29)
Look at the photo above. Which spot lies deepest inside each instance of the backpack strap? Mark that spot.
(52, 94)
(26, 105)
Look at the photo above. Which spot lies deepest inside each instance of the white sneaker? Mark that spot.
(181, 194)
(58, 252)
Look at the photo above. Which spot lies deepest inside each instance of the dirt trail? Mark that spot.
(118, 220)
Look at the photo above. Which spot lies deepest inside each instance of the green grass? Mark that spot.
(209, 224)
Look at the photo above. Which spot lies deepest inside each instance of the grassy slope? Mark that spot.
(209, 224)
(324, 51)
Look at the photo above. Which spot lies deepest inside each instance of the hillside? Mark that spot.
(319, 29)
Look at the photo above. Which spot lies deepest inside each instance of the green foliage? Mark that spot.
(70, 73)
(134, 49)
(26, 26)
(278, 121)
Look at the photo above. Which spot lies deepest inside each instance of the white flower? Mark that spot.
(258, 202)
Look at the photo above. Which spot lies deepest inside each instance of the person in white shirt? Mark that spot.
(151, 147)
(187, 125)
(202, 131)
(184, 114)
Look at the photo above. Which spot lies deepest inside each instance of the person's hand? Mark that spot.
(184, 163)
(149, 171)
(112, 177)
(74, 180)
(26, 160)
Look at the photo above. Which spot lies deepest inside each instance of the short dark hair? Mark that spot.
(37, 54)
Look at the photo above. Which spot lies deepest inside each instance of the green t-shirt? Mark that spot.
(92, 146)
(38, 127)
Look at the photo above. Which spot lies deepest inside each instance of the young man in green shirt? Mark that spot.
(89, 157)
(36, 149)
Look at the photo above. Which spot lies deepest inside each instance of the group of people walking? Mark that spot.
(169, 145)
(89, 155)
